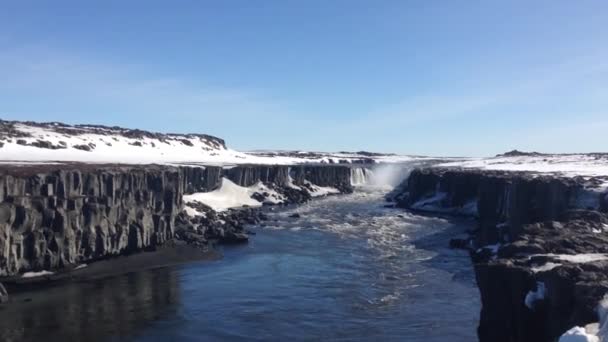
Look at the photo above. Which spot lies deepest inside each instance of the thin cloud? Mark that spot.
(70, 80)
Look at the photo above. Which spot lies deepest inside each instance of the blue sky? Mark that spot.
(420, 77)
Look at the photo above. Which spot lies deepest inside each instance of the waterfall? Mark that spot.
(360, 176)
(385, 176)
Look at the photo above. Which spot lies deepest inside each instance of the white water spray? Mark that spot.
(380, 176)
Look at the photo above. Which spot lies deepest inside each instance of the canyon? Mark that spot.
(72, 197)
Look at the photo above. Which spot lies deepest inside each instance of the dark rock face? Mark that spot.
(201, 179)
(572, 289)
(50, 220)
(83, 147)
(505, 200)
(3, 294)
(248, 175)
(531, 220)
(55, 216)
(336, 176)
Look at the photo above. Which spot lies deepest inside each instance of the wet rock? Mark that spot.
(295, 215)
(234, 238)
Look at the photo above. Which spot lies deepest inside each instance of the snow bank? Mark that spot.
(596, 332)
(579, 258)
(578, 334)
(319, 191)
(572, 258)
(545, 267)
(36, 274)
(567, 164)
(229, 195)
(52, 142)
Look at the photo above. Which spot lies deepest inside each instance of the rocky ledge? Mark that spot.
(540, 250)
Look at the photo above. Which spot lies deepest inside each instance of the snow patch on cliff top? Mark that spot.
(564, 164)
(29, 142)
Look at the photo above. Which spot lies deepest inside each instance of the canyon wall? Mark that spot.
(53, 216)
(502, 201)
(531, 249)
(51, 219)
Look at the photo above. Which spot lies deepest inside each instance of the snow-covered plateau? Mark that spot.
(30, 142)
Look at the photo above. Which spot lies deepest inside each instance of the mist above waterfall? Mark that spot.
(384, 175)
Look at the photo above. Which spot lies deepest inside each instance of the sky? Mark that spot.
(428, 77)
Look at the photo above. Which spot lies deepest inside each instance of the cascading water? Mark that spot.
(360, 176)
(385, 176)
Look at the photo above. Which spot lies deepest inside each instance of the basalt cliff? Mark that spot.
(540, 250)
(58, 216)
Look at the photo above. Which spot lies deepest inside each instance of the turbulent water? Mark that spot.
(347, 270)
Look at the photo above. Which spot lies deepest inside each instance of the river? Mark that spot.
(348, 269)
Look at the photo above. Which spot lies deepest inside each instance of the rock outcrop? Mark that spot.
(502, 201)
(540, 250)
(51, 219)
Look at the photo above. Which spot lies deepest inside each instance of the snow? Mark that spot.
(546, 267)
(192, 212)
(534, 296)
(578, 334)
(229, 195)
(113, 145)
(272, 197)
(572, 258)
(319, 191)
(36, 274)
(579, 258)
(116, 148)
(595, 332)
(566, 164)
